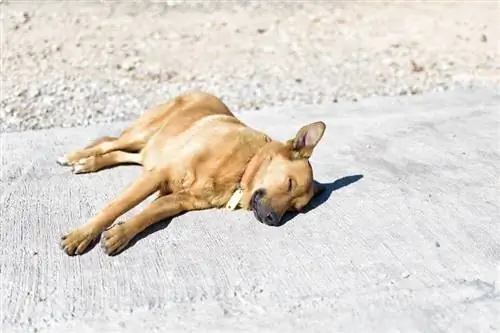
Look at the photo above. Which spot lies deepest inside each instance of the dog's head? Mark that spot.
(280, 178)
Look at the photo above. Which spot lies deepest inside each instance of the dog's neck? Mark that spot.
(247, 178)
(251, 168)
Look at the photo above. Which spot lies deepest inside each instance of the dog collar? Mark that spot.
(235, 199)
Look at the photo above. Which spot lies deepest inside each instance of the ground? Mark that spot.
(77, 63)
(404, 238)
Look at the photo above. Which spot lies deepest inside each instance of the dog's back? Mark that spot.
(176, 115)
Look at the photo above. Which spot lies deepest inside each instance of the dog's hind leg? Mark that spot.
(100, 140)
(78, 240)
(98, 162)
(126, 142)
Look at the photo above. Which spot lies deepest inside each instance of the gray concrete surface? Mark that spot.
(411, 246)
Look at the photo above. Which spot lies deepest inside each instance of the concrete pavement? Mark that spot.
(405, 238)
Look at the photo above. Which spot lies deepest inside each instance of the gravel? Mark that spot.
(69, 64)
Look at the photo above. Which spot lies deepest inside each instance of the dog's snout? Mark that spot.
(263, 212)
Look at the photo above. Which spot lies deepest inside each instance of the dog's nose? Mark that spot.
(271, 218)
(262, 211)
(257, 196)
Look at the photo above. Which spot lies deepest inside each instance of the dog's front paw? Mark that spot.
(115, 239)
(77, 241)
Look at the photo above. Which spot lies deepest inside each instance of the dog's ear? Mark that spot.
(306, 139)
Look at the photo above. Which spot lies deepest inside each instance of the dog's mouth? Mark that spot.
(264, 213)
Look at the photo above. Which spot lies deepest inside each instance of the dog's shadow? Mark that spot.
(325, 191)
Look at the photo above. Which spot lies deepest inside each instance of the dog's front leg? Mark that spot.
(117, 237)
(78, 240)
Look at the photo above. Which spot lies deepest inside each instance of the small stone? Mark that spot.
(484, 38)
(405, 275)
(416, 68)
(437, 244)
(261, 30)
(298, 80)
(415, 91)
(36, 93)
(127, 65)
(26, 17)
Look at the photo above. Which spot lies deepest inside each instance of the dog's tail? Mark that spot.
(147, 184)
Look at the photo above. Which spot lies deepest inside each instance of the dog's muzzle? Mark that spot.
(263, 212)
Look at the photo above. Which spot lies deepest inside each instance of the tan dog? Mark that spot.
(197, 155)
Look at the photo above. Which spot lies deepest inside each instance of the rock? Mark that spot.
(128, 65)
(416, 68)
(26, 17)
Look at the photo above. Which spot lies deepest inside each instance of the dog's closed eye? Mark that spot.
(290, 184)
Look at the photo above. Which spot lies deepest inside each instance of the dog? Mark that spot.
(196, 155)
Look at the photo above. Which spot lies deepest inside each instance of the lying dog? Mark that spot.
(197, 155)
